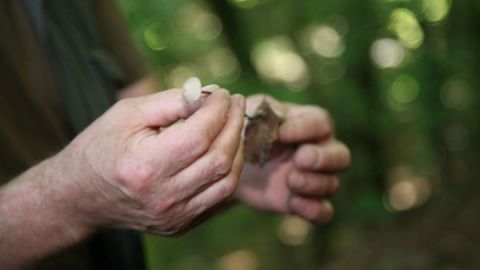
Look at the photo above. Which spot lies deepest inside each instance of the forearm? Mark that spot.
(38, 216)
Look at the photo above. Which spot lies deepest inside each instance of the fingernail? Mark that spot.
(240, 101)
(210, 87)
(334, 185)
(223, 89)
(326, 212)
(224, 95)
(327, 206)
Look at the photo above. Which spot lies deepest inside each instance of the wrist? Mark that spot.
(98, 201)
(68, 202)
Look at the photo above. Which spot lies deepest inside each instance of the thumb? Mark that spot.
(167, 107)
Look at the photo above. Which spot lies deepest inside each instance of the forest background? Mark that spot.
(399, 77)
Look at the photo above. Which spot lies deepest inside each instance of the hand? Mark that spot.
(139, 168)
(300, 176)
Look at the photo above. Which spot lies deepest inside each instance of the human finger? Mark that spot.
(218, 161)
(332, 156)
(220, 190)
(185, 142)
(305, 123)
(310, 209)
(312, 184)
(165, 108)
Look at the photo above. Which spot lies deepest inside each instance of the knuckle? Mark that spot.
(200, 140)
(159, 208)
(124, 104)
(196, 143)
(222, 163)
(128, 108)
(226, 190)
(121, 103)
(133, 175)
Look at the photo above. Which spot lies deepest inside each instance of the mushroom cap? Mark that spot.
(192, 90)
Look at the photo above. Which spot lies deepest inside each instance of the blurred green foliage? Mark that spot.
(398, 76)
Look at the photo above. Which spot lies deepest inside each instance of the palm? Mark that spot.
(265, 188)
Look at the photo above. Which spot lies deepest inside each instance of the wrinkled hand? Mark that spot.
(300, 176)
(139, 168)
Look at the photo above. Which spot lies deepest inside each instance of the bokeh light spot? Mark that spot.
(456, 94)
(408, 193)
(155, 37)
(238, 260)
(222, 64)
(387, 53)
(275, 59)
(326, 41)
(245, 3)
(402, 195)
(407, 190)
(178, 75)
(404, 89)
(206, 26)
(405, 25)
(436, 10)
(294, 231)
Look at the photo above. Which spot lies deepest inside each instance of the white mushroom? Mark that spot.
(192, 90)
